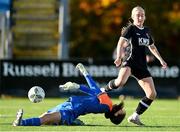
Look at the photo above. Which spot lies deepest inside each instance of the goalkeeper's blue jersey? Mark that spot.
(82, 105)
(79, 105)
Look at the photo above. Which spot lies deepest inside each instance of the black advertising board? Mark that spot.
(18, 76)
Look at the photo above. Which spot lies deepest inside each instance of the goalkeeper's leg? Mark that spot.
(26, 122)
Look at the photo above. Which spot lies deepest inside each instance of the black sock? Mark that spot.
(111, 85)
(143, 105)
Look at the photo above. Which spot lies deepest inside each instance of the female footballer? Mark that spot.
(137, 37)
(67, 113)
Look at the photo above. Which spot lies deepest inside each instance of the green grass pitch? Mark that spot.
(163, 115)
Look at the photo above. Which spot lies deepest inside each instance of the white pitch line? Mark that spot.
(6, 116)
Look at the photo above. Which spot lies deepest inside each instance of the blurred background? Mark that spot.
(41, 41)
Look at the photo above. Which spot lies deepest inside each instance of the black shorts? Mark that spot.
(138, 72)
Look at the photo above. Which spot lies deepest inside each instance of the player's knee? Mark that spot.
(152, 95)
(46, 119)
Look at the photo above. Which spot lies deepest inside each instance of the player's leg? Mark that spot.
(19, 115)
(25, 122)
(45, 119)
(61, 114)
(53, 118)
(89, 79)
(122, 78)
(147, 85)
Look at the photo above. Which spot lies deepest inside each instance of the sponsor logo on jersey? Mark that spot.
(143, 41)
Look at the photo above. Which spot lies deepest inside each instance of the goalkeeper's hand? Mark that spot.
(69, 86)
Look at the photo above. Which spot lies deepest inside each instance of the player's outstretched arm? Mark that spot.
(92, 84)
(72, 85)
(93, 90)
(82, 69)
(156, 53)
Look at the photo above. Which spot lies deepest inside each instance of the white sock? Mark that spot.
(135, 114)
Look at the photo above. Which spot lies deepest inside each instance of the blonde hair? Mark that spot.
(139, 8)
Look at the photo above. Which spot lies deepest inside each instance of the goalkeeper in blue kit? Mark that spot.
(68, 112)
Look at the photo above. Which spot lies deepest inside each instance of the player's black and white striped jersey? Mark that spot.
(138, 39)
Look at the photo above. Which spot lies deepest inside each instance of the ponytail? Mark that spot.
(130, 22)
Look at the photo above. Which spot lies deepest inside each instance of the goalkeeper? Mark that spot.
(67, 113)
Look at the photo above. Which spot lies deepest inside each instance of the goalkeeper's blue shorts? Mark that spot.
(65, 109)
